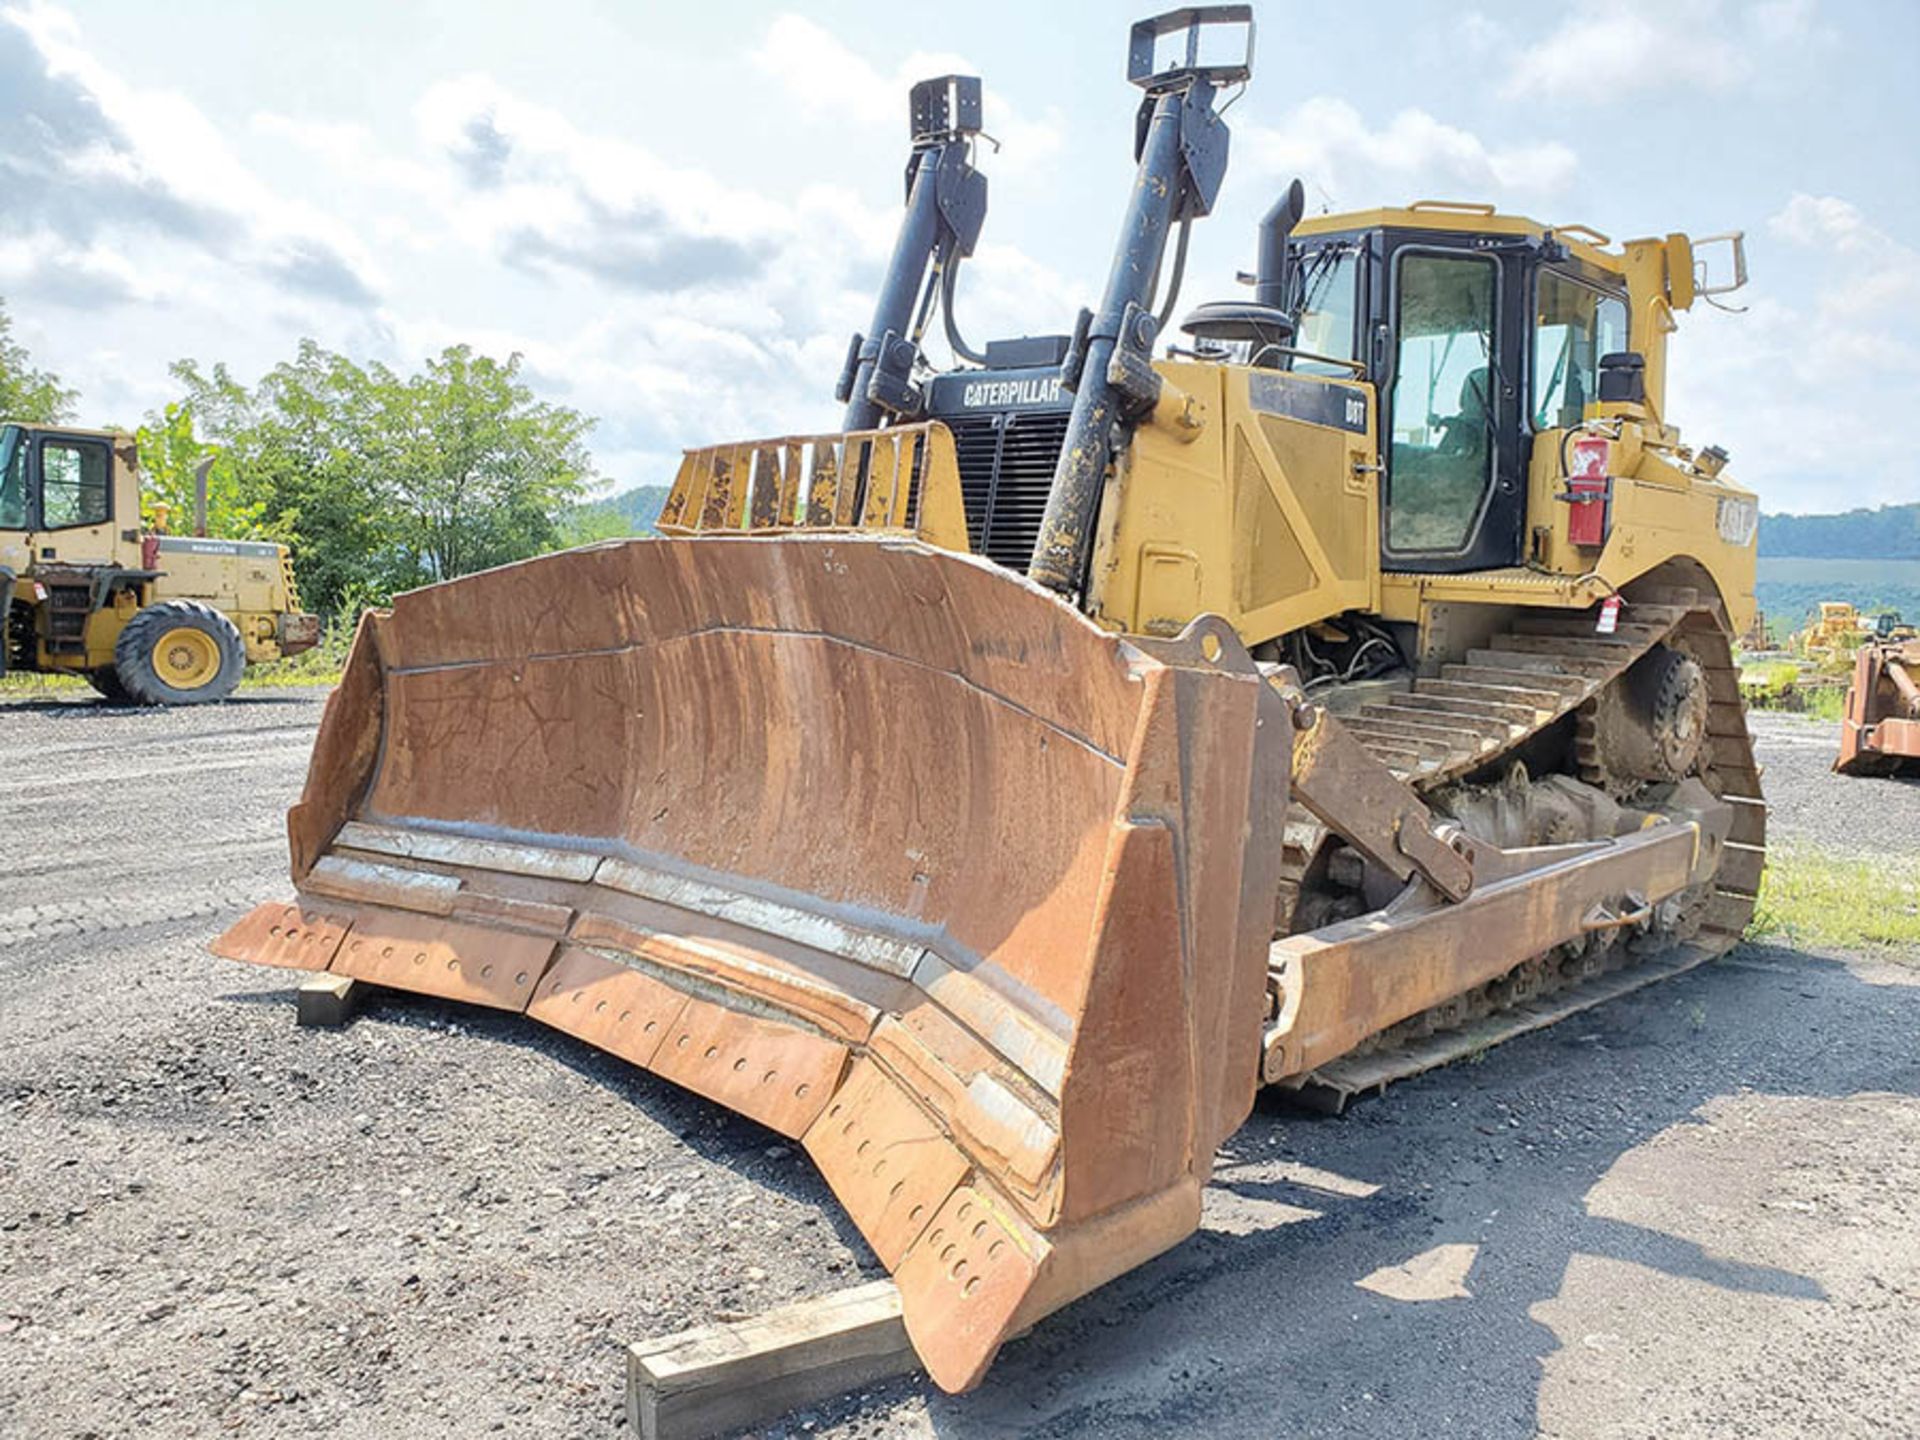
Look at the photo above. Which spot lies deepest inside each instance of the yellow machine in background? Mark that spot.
(86, 590)
(1841, 629)
(993, 793)
(1832, 637)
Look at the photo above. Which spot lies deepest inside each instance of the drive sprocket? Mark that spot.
(1648, 727)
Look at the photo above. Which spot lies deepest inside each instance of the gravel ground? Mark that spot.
(1691, 1212)
(1813, 806)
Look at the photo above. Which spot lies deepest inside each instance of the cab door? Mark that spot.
(70, 500)
(1454, 498)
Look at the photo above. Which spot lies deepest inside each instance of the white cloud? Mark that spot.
(1604, 49)
(826, 77)
(1833, 363)
(1414, 156)
(79, 277)
(548, 195)
(1869, 302)
(86, 150)
(719, 311)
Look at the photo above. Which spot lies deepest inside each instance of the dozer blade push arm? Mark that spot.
(1342, 984)
(1355, 795)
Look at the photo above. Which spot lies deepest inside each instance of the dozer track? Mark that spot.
(1476, 717)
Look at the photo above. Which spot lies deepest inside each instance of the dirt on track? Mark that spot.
(1692, 1212)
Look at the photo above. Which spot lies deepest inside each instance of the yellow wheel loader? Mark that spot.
(995, 793)
(145, 618)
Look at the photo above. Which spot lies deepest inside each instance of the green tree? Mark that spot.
(481, 472)
(34, 396)
(382, 482)
(170, 458)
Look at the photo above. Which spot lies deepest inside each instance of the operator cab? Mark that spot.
(1480, 332)
(54, 481)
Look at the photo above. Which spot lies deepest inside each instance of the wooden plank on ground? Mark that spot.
(726, 1377)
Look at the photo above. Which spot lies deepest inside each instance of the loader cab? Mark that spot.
(63, 497)
(1479, 332)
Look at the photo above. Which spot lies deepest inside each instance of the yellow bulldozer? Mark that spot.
(995, 793)
(146, 618)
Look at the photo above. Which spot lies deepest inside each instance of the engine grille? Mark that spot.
(1006, 470)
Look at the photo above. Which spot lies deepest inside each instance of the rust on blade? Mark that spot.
(474, 854)
(340, 878)
(889, 1164)
(870, 841)
(477, 964)
(963, 1285)
(482, 909)
(296, 937)
(955, 1077)
(753, 974)
(607, 1004)
(779, 1074)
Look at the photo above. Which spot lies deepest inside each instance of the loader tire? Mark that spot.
(106, 683)
(179, 652)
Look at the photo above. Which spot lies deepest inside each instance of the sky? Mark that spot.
(677, 213)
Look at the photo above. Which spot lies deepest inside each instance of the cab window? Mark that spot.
(1574, 325)
(75, 479)
(13, 481)
(1329, 295)
(1440, 469)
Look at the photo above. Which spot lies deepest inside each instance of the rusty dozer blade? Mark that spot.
(875, 843)
(1880, 719)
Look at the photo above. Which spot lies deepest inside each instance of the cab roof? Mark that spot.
(1469, 218)
(87, 430)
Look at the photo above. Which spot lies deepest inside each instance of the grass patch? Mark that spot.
(319, 667)
(1769, 675)
(22, 685)
(316, 667)
(1811, 897)
(1827, 703)
(1786, 686)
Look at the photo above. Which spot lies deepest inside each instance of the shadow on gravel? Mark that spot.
(1259, 1329)
(710, 1131)
(1265, 1333)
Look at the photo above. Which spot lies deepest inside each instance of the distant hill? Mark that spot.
(631, 512)
(1891, 532)
(639, 507)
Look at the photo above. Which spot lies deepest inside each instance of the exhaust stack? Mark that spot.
(1276, 226)
(200, 496)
